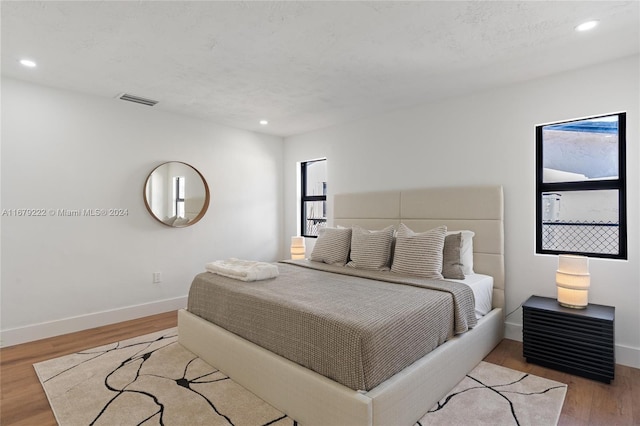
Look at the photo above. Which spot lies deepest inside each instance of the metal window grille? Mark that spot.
(314, 225)
(584, 237)
(315, 217)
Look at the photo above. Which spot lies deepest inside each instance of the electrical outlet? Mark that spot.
(157, 277)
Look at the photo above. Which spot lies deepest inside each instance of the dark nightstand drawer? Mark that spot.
(577, 341)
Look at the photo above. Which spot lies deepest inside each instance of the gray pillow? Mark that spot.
(332, 246)
(452, 266)
(466, 250)
(371, 249)
(419, 254)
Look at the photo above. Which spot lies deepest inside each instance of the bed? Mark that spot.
(402, 398)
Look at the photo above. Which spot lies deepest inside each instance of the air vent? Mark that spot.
(136, 99)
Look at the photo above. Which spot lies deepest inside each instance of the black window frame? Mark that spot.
(305, 198)
(619, 184)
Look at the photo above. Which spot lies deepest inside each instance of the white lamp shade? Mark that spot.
(298, 249)
(573, 281)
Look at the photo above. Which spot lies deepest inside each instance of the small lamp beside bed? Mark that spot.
(573, 280)
(298, 249)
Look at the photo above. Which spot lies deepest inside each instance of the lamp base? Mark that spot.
(573, 298)
(568, 305)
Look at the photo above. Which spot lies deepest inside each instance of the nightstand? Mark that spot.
(576, 341)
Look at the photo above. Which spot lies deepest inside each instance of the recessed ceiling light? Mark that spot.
(586, 26)
(264, 122)
(28, 63)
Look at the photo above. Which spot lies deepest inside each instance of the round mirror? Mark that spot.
(176, 194)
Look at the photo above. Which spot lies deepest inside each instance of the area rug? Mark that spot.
(153, 380)
(495, 395)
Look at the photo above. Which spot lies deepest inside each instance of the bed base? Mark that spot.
(312, 399)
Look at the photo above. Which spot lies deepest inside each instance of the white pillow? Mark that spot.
(419, 254)
(466, 250)
(371, 249)
(332, 246)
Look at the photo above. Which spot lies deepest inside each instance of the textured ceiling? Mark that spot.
(304, 65)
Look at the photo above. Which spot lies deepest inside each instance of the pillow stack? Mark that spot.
(434, 254)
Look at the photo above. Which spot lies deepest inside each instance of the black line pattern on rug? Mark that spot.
(119, 392)
(183, 382)
(493, 388)
(138, 360)
(186, 383)
(102, 352)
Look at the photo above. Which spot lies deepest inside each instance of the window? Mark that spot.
(313, 201)
(178, 199)
(581, 187)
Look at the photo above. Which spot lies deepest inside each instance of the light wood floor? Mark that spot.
(23, 402)
(587, 402)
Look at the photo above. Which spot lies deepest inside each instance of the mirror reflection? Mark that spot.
(176, 194)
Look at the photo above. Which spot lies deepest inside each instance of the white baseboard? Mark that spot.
(625, 355)
(15, 336)
(513, 331)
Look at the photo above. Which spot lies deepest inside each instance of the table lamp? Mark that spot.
(297, 248)
(573, 280)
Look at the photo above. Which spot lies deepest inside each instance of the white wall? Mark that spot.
(489, 138)
(62, 150)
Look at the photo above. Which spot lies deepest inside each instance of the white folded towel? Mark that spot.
(244, 270)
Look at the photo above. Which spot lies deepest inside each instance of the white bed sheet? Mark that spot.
(482, 287)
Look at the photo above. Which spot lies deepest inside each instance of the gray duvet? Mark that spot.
(356, 327)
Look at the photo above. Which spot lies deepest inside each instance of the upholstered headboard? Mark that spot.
(476, 208)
